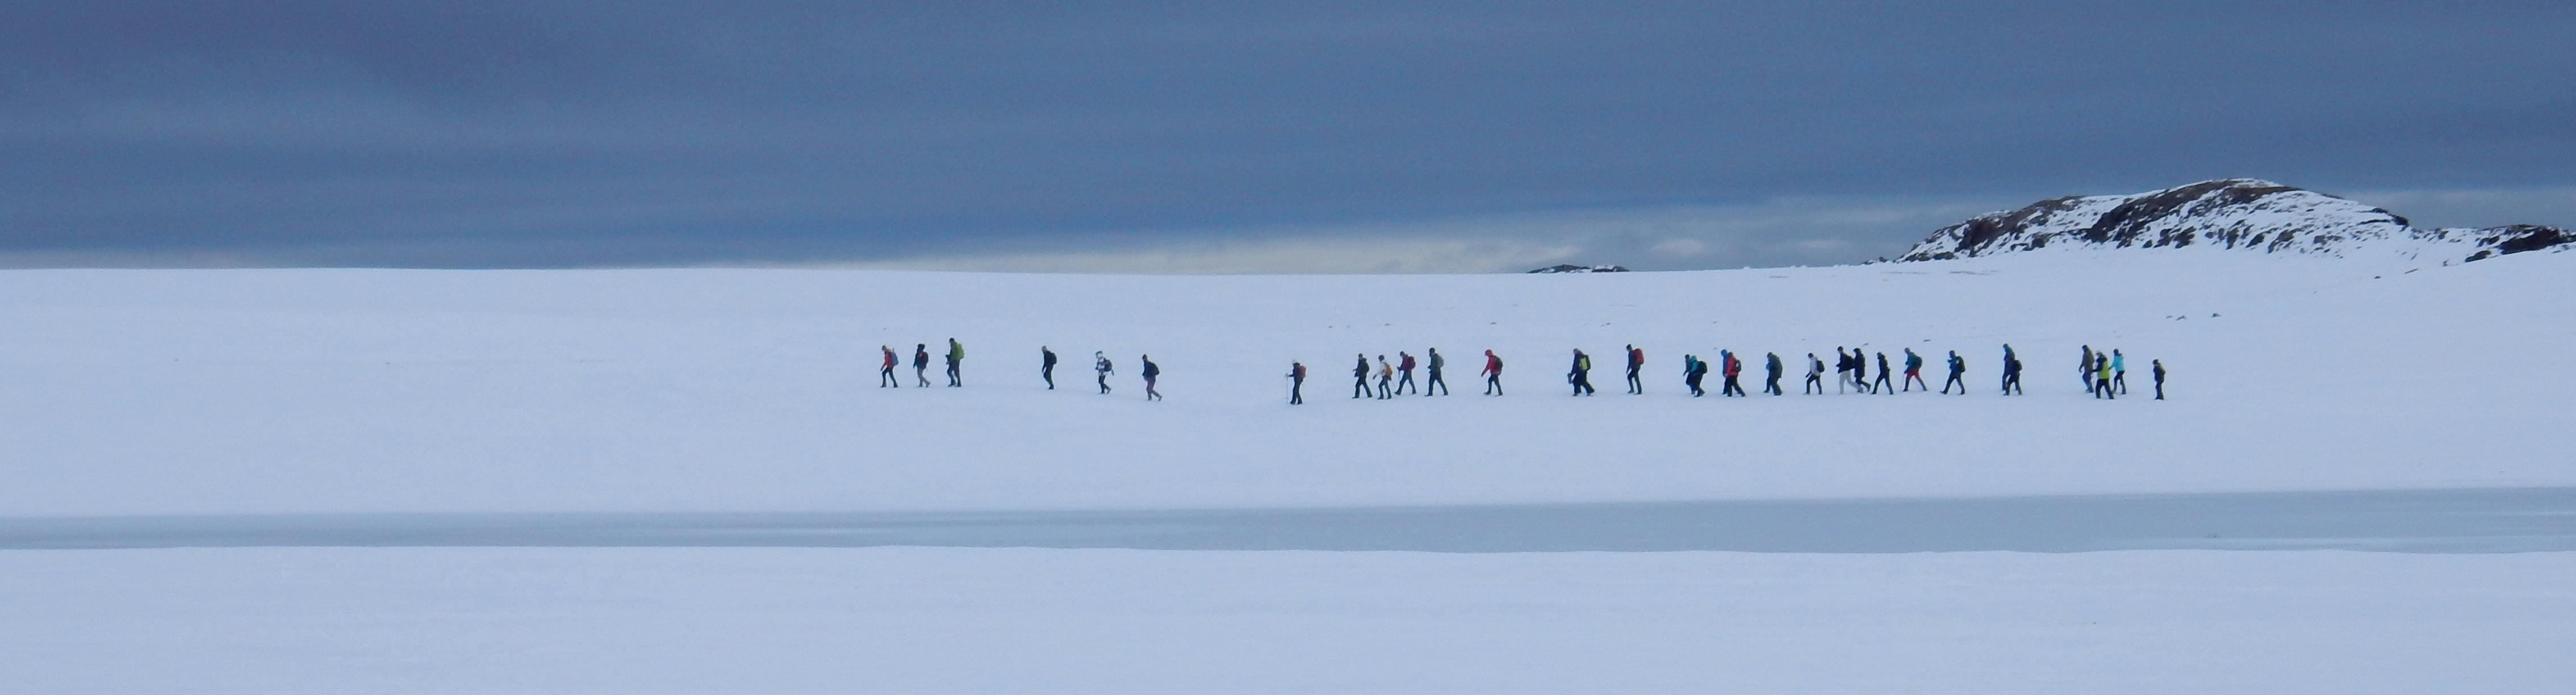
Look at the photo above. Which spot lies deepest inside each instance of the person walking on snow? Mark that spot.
(1434, 362)
(2012, 373)
(2102, 377)
(1771, 373)
(1958, 367)
(2085, 371)
(1815, 375)
(1733, 367)
(1296, 383)
(2119, 372)
(1405, 366)
(1860, 371)
(1046, 366)
(1914, 371)
(885, 373)
(2010, 369)
(1581, 377)
(2159, 366)
(1692, 371)
(1493, 374)
(1385, 379)
(1636, 361)
(1100, 365)
(921, 363)
(1842, 369)
(956, 356)
(1885, 383)
(1359, 376)
(1151, 371)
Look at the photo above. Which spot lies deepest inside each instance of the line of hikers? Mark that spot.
(1389, 383)
(1046, 368)
(921, 365)
(2106, 374)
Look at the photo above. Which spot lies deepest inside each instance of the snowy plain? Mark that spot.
(300, 391)
(906, 620)
(151, 396)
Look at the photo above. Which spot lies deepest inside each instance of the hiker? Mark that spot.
(1385, 377)
(1842, 365)
(1407, 368)
(1771, 373)
(1151, 371)
(1359, 376)
(1046, 366)
(1434, 363)
(1581, 377)
(1958, 367)
(2102, 377)
(1100, 364)
(1914, 371)
(2159, 366)
(1732, 367)
(1493, 374)
(1692, 371)
(2012, 372)
(2119, 371)
(1815, 375)
(956, 356)
(2085, 371)
(1884, 384)
(921, 363)
(885, 373)
(1296, 383)
(1636, 361)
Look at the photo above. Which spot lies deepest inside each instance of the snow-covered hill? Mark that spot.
(2247, 214)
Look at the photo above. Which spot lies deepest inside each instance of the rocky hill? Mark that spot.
(2247, 214)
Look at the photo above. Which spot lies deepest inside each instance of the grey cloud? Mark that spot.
(578, 133)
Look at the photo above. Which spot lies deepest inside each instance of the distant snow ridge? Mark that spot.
(1571, 268)
(2247, 214)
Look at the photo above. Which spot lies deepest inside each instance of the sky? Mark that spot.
(1322, 136)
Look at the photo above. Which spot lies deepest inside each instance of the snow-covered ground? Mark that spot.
(1110, 621)
(154, 392)
(159, 394)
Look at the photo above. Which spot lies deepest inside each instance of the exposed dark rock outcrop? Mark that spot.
(1571, 268)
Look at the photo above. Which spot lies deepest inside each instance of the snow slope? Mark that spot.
(170, 392)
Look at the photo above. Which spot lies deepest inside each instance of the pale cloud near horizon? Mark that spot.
(1806, 231)
(1777, 232)
(2478, 207)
